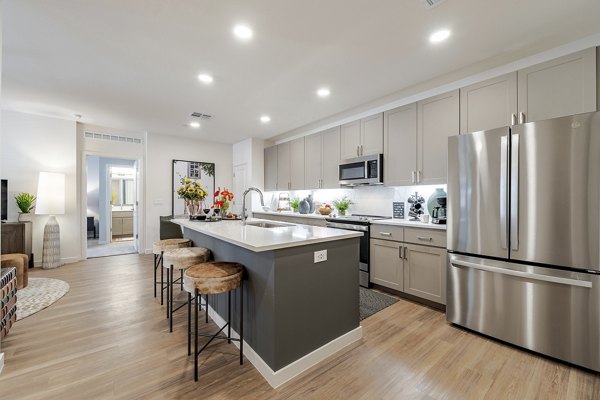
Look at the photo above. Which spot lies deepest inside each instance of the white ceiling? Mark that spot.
(133, 64)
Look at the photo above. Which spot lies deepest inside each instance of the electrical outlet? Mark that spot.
(320, 256)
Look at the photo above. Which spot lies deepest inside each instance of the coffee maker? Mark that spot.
(438, 216)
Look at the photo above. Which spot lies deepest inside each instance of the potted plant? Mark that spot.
(294, 203)
(25, 202)
(342, 204)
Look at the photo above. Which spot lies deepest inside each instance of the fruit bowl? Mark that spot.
(325, 211)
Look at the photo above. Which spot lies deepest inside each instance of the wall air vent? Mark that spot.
(112, 138)
(201, 116)
(431, 3)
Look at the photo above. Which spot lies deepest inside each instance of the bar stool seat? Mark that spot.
(214, 278)
(180, 259)
(158, 248)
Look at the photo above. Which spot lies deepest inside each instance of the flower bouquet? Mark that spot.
(193, 193)
(222, 199)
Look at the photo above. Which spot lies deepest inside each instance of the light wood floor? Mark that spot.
(108, 338)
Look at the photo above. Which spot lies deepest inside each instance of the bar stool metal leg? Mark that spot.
(242, 322)
(170, 305)
(181, 281)
(196, 338)
(229, 316)
(162, 283)
(155, 262)
(206, 308)
(167, 309)
(189, 326)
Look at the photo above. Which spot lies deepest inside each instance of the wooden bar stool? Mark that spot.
(158, 248)
(213, 278)
(180, 259)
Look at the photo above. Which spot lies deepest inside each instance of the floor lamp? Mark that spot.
(51, 201)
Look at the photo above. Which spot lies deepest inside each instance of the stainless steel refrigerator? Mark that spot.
(523, 241)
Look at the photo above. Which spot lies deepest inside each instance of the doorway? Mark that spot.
(112, 199)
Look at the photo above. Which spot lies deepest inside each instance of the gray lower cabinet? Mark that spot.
(386, 263)
(425, 272)
(406, 267)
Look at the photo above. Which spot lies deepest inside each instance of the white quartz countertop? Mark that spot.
(410, 224)
(264, 239)
(292, 214)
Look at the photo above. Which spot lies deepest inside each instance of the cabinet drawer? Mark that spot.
(427, 237)
(387, 232)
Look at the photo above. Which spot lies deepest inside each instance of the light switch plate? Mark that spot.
(320, 256)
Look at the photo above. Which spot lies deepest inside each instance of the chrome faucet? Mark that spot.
(262, 202)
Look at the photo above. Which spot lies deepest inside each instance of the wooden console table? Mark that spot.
(16, 238)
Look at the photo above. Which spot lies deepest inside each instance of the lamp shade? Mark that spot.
(50, 194)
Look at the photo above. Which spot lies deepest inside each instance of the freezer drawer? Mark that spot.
(553, 312)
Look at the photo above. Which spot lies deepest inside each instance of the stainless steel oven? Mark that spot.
(367, 170)
(361, 223)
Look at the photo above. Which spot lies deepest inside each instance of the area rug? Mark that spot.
(39, 294)
(372, 302)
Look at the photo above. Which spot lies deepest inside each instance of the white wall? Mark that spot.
(161, 150)
(31, 144)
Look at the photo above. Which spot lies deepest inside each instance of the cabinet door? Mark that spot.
(437, 119)
(489, 104)
(386, 264)
(331, 159)
(371, 135)
(271, 168)
(564, 86)
(350, 140)
(127, 226)
(400, 144)
(117, 226)
(283, 166)
(297, 164)
(313, 156)
(425, 272)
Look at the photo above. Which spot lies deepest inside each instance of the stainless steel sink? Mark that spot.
(264, 224)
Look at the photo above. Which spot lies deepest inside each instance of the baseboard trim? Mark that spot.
(65, 260)
(1, 362)
(290, 371)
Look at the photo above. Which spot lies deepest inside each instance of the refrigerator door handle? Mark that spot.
(514, 193)
(527, 275)
(503, 191)
(513, 119)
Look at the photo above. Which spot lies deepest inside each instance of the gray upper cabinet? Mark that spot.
(556, 88)
(564, 86)
(283, 166)
(313, 159)
(322, 156)
(350, 140)
(331, 159)
(437, 119)
(362, 137)
(296, 161)
(271, 168)
(371, 135)
(400, 144)
(489, 104)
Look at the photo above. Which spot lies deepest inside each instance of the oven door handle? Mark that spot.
(348, 227)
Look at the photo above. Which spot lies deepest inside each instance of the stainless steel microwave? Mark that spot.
(366, 170)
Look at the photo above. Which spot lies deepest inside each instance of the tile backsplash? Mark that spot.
(372, 200)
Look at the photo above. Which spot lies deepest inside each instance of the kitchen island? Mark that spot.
(296, 311)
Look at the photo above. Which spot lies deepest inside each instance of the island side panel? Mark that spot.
(259, 310)
(315, 302)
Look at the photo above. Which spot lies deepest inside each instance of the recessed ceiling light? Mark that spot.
(439, 36)
(195, 124)
(243, 32)
(324, 92)
(205, 78)
(76, 116)
(265, 118)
